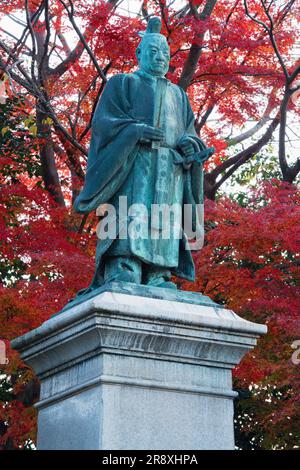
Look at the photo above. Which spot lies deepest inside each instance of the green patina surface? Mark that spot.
(144, 147)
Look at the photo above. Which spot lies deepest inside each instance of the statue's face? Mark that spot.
(154, 56)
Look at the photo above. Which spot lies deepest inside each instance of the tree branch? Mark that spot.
(88, 127)
(82, 44)
(192, 60)
(264, 119)
(288, 173)
(233, 163)
(204, 117)
(45, 43)
(29, 25)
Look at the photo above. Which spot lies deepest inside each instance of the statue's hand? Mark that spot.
(149, 133)
(187, 149)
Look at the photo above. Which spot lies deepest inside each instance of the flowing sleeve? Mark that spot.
(194, 177)
(113, 148)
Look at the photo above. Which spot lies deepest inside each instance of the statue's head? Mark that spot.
(153, 52)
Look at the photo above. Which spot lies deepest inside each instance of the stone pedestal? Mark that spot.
(127, 371)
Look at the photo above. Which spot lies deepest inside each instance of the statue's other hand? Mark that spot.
(149, 133)
(186, 147)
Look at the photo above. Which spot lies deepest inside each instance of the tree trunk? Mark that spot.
(49, 170)
(195, 52)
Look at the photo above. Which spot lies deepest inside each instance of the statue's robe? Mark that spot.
(119, 164)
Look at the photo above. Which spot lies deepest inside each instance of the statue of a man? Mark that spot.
(144, 147)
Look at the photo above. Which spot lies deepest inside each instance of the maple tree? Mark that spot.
(256, 274)
(236, 60)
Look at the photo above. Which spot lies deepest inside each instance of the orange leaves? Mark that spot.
(43, 263)
(251, 263)
(251, 254)
(21, 424)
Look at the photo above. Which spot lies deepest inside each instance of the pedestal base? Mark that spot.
(121, 371)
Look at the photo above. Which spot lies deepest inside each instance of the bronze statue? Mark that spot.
(144, 148)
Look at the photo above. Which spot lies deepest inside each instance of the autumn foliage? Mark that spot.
(250, 263)
(238, 62)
